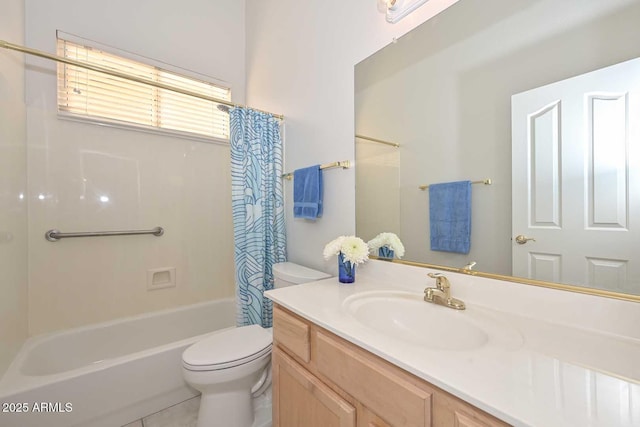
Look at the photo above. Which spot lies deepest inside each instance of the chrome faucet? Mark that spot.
(441, 294)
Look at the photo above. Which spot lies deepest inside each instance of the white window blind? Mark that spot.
(95, 95)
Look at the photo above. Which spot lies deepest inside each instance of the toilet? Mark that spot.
(233, 366)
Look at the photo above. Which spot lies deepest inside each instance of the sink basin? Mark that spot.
(406, 316)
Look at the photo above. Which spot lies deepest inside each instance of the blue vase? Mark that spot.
(346, 270)
(385, 252)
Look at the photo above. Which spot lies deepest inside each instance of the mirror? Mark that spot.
(443, 92)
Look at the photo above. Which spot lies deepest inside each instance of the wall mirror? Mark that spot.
(532, 94)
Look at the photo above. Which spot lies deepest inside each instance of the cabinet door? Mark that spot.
(450, 411)
(367, 418)
(292, 334)
(300, 399)
(466, 420)
(373, 383)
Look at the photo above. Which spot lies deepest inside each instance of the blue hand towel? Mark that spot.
(450, 216)
(307, 192)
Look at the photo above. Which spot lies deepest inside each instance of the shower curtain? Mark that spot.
(258, 211)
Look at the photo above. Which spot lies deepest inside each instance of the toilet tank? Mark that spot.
(288, 274)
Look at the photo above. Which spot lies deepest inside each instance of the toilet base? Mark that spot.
(262, 409)
(232, 409)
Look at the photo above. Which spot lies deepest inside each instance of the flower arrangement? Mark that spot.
(385, 242)
(351, 251)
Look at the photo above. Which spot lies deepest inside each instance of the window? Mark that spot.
(98, 96)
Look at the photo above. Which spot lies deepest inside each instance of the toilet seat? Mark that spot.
(228, 349)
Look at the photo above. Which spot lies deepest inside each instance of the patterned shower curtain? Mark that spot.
(258, 211)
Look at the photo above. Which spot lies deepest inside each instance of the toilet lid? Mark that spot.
(295, 273)
(229, 348)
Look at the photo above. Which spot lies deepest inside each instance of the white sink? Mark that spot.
(407, 317)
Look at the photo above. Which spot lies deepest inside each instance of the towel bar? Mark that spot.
(483, 181)
(344, 164)
(379, 141)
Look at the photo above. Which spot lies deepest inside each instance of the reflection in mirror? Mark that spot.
(444, 93)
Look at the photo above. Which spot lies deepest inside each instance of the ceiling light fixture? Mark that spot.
(398, 9)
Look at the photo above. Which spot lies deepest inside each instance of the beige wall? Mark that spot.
(13, 180)
(377, 183)
(151, 180)
(300, 62)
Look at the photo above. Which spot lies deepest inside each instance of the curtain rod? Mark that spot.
(344, 164)
(6, 45)
(368, 138)
(483, 181)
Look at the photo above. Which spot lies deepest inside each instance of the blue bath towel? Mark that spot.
(307, 192)
(450, 216)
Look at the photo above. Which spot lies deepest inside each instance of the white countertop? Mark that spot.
(564, 371)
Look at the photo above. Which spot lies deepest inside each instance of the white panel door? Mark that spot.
(576, 180)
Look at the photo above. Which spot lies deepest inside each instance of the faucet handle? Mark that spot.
(441, 280)
(469, 266)
(441, 294)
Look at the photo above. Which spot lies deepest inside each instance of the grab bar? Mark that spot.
(55, 235)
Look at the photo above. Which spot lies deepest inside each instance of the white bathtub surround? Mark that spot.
(95, 178)
(111, 373)
(13, 188)
(574, 364)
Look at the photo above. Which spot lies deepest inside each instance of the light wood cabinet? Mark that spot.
(366, 418)
(300, 399)
(323, 380)
(462, 420)
(293, 334)
(372, 383)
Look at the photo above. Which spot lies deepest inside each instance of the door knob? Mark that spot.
(522, 239)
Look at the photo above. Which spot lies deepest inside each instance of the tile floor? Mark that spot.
(185, 414)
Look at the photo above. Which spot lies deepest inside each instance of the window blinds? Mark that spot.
(95, 95)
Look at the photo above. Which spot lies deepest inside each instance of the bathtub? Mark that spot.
(107, 374)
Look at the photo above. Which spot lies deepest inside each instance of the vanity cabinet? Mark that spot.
(320, 379)
(303, 400)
